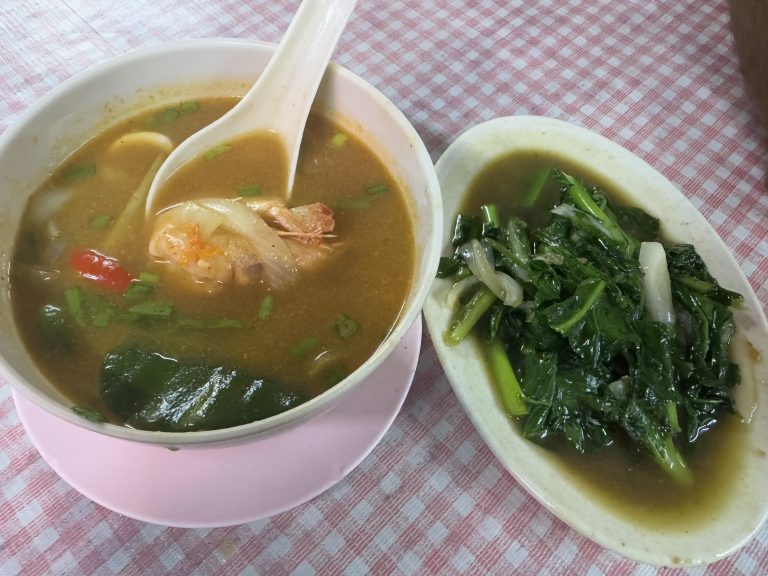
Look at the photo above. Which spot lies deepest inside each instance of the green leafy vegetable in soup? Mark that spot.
(230, 304)
(154, 392)
(594, 330)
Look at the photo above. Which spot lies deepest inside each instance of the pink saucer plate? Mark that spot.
(207, 487)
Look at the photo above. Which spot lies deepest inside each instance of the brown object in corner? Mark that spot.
(749, 25)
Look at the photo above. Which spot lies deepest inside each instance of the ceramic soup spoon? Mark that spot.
(280, 99)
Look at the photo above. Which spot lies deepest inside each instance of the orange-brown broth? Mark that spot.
(367, 277)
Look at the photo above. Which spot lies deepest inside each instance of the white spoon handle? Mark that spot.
(280, 99)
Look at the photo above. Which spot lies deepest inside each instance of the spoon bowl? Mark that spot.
(280, 99)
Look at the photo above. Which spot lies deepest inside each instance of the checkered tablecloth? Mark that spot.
(661, 78)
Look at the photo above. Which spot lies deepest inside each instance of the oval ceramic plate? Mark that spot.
(620, 170)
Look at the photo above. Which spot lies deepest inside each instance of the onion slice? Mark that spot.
(143, 139)
(506, 288)
(459, 289)
(657, 287)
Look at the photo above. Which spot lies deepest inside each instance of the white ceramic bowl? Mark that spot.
(90, 101)
(747, 504)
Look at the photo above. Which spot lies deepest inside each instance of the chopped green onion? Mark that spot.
(217, 151)
(152, 309)
(265, 309)
(137, 291)
(149, 278)
(201, 324)
(89, 414)
(190, 106)
(339, 139)
(249, 190)
(74, 299)
(304, 347)
(103, 317)
(79, 172)
(142, 288)
(170, 115)
(363, 202)
(101, 311)
(166, 116)
(377, 189)
(346, 327)
(100, 221)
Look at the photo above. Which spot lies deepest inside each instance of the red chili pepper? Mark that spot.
(103, 270)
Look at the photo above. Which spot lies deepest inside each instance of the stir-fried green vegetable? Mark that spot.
(615, 333)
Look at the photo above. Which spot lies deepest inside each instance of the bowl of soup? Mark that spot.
(637, 417)
(228, 311)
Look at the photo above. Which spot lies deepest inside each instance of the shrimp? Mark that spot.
(218, 241)
(309, 223)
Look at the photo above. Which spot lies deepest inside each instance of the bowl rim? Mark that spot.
(260, 428)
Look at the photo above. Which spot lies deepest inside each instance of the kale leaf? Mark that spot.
(589, 360)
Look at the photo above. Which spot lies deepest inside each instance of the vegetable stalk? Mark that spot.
(468, 315)
(503, 375)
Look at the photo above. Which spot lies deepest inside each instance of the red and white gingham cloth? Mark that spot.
(660, 78)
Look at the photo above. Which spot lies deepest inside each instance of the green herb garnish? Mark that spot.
(170, 115)
(74, 299)
(142, 288)
(189, 106)
(304, 347)
(149, 278)
(364, 201)
(79, 172)
(377, 190)
(164, 117)
(217, 151)
(265, 308)
(152, 309)
(100, 311)
(86, 308)
(346, 327)
(138, 291)
(339, 139)
(249, 190)
(100, 221)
